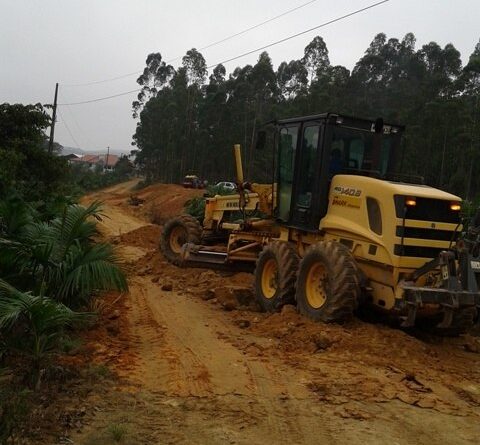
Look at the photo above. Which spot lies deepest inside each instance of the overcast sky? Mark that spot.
(78, 41)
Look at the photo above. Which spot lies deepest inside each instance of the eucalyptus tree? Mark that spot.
(154, 77)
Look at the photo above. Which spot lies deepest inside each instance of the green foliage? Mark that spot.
(25, 164)
(188, 124)
(49, 262)
(14, 407)
(84, 179)
(15, 214)
(123, 168)
(117, 431)
(58, 257)
(69, 344)
(196, 205)
(99, 371)
(32, 326)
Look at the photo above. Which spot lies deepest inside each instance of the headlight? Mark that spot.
(455, 206)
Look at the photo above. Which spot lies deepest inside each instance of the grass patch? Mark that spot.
(117, 431)
(99, 370)
(70, 345)
(14, 408)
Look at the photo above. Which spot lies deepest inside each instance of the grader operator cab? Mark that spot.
(339, 227)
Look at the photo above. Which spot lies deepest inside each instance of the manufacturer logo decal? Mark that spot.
(346, 197)
(348, 191)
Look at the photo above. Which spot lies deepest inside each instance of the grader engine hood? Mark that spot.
(404, 224)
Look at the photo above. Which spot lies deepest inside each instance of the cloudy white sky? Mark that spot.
(78, 41)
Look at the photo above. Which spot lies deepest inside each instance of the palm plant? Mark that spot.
(59, 259)
(32, 326)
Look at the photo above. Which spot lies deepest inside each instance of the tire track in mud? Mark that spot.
(159, 366)
(191, 361)
(194, 362)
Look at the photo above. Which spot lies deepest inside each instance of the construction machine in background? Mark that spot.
(339, 227)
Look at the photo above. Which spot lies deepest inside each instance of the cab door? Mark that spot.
(287, 154)
(305, 203)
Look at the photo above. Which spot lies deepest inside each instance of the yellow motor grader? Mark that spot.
(339, 227)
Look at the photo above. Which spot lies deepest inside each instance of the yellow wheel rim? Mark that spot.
(269, 278)
(178, 237)
(316, 286)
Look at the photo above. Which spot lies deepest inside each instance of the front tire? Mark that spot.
(328, 287)
(275, 276)
(176, 232)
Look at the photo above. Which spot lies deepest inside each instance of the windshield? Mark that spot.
(354, 150)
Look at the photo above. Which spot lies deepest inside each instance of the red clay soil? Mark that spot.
(163, 201)
(207, 367)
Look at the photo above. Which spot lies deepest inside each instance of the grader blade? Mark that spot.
(202, 254)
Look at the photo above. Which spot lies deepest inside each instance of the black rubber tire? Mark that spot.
(191, 232)
(341, 284)
(286, 260)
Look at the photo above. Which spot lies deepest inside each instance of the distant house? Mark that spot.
(72, 157)
(108, 162)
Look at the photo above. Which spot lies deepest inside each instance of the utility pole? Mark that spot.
(54, 118)
(106, 161)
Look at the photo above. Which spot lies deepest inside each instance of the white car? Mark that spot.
(226, 185)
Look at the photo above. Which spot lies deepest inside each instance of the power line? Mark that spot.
(300, 33)
(210, 45)
(358, 11)
(84, 136)
(251, 28)
(95, 82)
(102, 98)
(64, 122)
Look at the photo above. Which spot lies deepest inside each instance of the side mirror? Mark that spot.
(261, 139)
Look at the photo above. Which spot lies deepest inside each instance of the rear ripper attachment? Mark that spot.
(456, 290)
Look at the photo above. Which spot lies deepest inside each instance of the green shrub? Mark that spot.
(196, 206)
(117, 431)
(58, 257)
(14, 407)
(33, 326)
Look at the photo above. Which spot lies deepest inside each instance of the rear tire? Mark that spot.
(275, 276)
(176, 232)
(328, 284)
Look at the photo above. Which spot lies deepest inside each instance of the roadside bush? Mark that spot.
(14, 407)
(33, 326)
(57, 257)
(196, 206)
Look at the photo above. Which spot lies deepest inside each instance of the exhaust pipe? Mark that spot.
(238, 163)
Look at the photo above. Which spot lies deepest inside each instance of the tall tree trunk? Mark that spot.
(251, 154)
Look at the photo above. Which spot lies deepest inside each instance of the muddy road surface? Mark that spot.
(198, 364)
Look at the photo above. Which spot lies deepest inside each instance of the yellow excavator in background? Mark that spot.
(338, 227)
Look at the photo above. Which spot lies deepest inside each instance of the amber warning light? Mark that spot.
(455, 206)
(411, 202)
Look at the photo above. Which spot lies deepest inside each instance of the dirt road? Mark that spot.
(201, 366)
